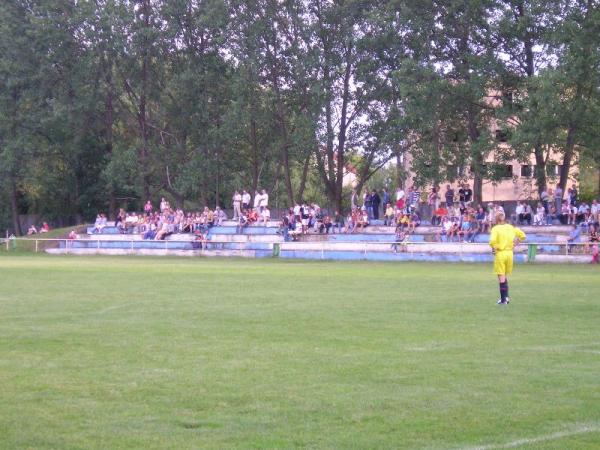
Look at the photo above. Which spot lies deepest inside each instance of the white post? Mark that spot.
(36, 245)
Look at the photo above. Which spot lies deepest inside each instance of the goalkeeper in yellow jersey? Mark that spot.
(503, 238)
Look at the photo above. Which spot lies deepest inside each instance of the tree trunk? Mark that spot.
(14, 209)
(540, 169)
(568, 156)
(303, 179)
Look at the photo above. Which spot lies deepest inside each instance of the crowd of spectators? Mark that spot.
(158, 224)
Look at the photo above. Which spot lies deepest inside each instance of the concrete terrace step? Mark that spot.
(163, 252)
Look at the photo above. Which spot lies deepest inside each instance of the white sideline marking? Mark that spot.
(108, 308)
(590, 428)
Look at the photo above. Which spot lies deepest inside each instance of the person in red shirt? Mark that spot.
(438, 215)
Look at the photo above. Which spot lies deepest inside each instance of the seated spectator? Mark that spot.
(413, 221)
(266, 215)
(100, 223)
(243, 221)
(445, 227)
(162, 232)
(572, 215)
(363, 220)
(438, 215)
(540, 215)
(464, 228)
(388, 216)
(583, 212)
(453, 230)
(552, 215)
(220, 216)
(150, 233)
(325, 224)
(32, 230)
(338, 222)
(564, 213)
(473, 229)
(401, 238)
(72, 235)
(252, 216)
(523, 212)
(482, 223)
(297, 231)
(45, 228)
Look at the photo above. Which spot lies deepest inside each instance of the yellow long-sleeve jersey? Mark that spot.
(503, 236)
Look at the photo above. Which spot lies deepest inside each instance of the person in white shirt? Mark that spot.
(266, 215)
(264, 199)
(237, 205)
(245, 200)
(257, 200)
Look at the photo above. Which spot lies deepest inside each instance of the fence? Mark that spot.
(461, 248)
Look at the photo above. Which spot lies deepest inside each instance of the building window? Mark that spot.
(503, 170)
(553, 170)
(527, 171)
(501, 136)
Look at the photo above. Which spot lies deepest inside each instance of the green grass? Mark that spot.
(157, 353)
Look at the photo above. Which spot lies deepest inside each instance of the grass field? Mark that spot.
(149, 353)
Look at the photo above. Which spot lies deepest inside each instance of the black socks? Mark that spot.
(503, 291)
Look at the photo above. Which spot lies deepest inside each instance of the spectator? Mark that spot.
(433, 200)
(148, 207)
(338, 222)
(540, 215)
(415, 198)
(558, 197)
(363, 220)
(245, 200)
(400, 199)
(257, 200)
(573, 237)
(594, 239)
(401, 238)
(385, 199)
(266, 215)
(438, 215)
(449, 195)
(573, 195)
(388, 216)
(32, 230)
(237, 205)
(220, 216)
(368, 203)
(375, 202)
(264, 199)
(325, 224)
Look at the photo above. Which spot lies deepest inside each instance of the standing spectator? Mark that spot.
(595, 211)
(573, 237)
(148, 207)
(245, 200)
(164, 205)
(433, 199)
(594, 239)
(264, 199)
(354, 199)
(449, 195)
(400, 198)
(237, 204)
(544, 199)
(415, 197)
(468, 194)
(573, 195)
(385, 199)
(375, 202)
(257, 200)
(558, 195)
(367, 203)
